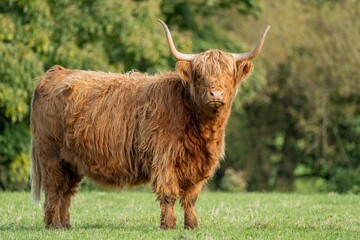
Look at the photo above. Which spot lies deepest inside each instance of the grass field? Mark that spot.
(135, 215)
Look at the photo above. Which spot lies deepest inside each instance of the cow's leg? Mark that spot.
(53, 199)
(54, 183)
(167, 220)
(52, 210)
(165, 186)
(188, 201)
(74, 180)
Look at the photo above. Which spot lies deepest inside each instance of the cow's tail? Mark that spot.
(35, 175)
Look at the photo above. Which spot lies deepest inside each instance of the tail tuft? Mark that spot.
(35, 176)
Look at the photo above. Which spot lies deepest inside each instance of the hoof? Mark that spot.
(58, 226)
(164, 227)
(190, 226)
(68, 225)
(54, 226)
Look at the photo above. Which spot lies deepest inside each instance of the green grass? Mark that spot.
(135, 215)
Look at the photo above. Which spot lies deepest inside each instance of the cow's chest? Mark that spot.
(198, 166)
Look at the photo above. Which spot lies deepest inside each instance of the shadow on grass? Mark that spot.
(128, 226)
(86, 227)
(14, 227)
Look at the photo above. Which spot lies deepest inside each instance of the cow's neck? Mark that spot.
(210, 123)
(212, 130)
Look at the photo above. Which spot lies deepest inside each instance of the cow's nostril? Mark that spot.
(212, 93)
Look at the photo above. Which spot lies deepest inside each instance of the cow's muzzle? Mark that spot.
(215, 96)
(215, 104)
(215, 99)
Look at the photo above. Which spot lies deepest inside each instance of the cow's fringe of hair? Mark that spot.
(213, 63)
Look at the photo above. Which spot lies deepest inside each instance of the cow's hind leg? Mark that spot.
(59, 181)
(54, 185)
(53, 181)
(73, 182)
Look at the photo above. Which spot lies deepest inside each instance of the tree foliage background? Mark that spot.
(295, 123)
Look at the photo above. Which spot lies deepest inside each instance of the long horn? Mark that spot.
(253, 53)
(178, 55)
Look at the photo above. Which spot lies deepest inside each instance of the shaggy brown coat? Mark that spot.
(128, 129)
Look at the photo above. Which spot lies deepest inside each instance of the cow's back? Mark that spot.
(91, 119)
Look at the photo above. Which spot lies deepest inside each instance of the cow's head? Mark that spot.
(213, 76)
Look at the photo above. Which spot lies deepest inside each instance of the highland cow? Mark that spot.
(126, 129)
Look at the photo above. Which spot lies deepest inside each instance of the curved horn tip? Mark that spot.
(266, 31)
(177, 55)
(252, 54)
(162, 23)
(267, 28)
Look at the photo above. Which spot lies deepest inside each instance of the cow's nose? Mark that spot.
(216, 95)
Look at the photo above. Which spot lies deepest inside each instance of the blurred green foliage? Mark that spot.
(302, 128)
(233, 181)
(295, 122)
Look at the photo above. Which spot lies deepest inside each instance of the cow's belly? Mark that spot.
(118, 179)
(110, 172)
(119, 174)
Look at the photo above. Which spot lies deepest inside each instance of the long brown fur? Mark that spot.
(128, 129)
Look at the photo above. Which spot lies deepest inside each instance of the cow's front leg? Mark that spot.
(190, 220)
(188, 201)
(168, 220)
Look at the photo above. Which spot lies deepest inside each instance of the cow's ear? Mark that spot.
(184, 69)
(243, 70)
